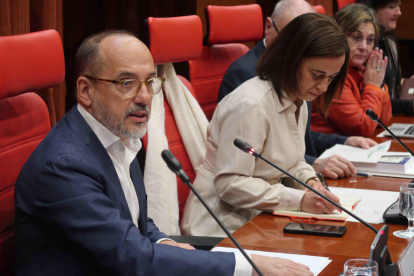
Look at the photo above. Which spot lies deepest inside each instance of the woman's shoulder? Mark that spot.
(251, 91)
(247, 98)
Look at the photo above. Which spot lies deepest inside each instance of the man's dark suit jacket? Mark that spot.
(72, 217)
(244, 69)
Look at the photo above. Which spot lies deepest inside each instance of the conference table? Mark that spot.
(265, 231)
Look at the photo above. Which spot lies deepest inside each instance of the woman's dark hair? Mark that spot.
(308, 35)
(376, 4)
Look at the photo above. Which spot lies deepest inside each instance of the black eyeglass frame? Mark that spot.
(274, 25)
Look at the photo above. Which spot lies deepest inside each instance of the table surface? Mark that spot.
(265, 231)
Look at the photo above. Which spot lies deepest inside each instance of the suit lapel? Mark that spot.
(136, 176)
(259, 49)
(78, 124)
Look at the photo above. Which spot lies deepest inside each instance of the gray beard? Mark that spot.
(108, 119)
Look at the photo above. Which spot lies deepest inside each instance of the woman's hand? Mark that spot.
(314, 184)
(375, 69)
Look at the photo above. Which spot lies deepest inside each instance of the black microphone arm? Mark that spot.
(246, 147)
(373, 116)
(176, 168)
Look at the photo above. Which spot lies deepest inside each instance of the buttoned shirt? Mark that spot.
(236, 185)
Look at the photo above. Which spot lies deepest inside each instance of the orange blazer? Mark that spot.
(347, 114)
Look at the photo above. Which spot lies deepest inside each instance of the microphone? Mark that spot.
(373, 116)
(176, 168)
(174, 165)
(385, 263)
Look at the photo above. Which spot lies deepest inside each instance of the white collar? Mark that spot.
(105, 136)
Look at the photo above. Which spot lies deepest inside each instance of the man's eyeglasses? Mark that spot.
(274, 25)
(131, 87)
(357, 40)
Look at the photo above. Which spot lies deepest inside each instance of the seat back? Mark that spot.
(183, 35)
(29, 62)
(320, 9)
(343, 3)
(226, 28)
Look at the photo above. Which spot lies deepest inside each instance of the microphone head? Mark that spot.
(244, 146)
(171, 161)
(372, 115)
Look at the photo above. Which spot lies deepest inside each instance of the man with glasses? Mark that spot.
(244, 69)
(81, 206)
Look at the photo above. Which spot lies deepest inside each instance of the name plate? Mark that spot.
(405, 263)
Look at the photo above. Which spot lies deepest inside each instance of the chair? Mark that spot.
(320, 9)
(226, 28)
(339, 4)
(183, 35)
(29, 62)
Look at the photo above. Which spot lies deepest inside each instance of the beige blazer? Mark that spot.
(236, 185)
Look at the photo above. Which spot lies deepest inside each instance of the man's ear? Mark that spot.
(84, 91)
(268, 26)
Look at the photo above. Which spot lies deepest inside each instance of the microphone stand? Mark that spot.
(176, 168)
(373, 116)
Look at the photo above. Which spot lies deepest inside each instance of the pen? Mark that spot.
(322, 180)
(364, 174)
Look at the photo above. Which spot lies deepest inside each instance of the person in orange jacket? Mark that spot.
(364, 88)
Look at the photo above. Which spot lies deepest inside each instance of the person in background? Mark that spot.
(270, 113)
(388, 12)
(364, 88)
(244, 69)
(81, 205)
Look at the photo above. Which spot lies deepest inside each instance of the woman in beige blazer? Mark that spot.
(309, 57)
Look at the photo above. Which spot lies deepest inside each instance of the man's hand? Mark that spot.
(362, 142)
(312, 203)
(334, 167)
(279, 267)
(177, 244)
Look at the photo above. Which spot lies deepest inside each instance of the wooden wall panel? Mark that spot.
(326, 3)
(405, 23)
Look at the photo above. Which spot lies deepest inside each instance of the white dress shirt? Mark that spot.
(121, 156)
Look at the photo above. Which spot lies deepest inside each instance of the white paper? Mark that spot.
(355, 154)
(372, 205)
(315, 264)
(405, 263)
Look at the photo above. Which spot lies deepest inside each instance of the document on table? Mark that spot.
(355, 154)
(315, 264)
(372, 205)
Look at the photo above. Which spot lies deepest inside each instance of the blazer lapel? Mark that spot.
(76, 122)
(136, 176)
(259, 49)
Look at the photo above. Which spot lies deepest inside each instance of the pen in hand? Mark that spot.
(323, 181)
(325, 185)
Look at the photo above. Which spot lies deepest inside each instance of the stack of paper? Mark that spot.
(315, 264)
(372, 205)
(376, 160)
